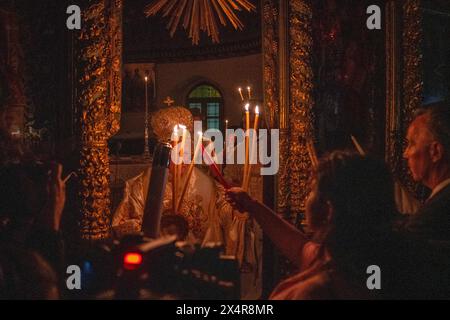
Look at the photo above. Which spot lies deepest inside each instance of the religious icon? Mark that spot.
(133, 87)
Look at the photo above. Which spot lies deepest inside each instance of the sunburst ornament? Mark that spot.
(200, 15)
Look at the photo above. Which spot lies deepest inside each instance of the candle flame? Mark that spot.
(257, 110)
(247, 106)
(146, 79)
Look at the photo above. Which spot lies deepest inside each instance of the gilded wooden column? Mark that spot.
(393, 85)
(404, 81)
(301, 119)
(270, 60)
(412, 58)
(288, 84)
(412, 80)
(98, 54)
(283, 179)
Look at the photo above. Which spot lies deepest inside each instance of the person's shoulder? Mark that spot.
(318, 287)
(437, 208)
(315, 286)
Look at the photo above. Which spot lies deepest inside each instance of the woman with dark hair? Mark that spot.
(350, 211)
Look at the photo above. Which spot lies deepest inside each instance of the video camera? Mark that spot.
(179, 270)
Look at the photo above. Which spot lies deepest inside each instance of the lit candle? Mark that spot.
(254, 140)
(189, 172)
(183, 142)
(358, 146)
(240, 92)
(146, 148)
(175, 170)
(247, 128)
(225, 141)
(249, 90)
(146, 98)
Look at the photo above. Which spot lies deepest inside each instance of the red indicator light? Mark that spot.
(132, 260)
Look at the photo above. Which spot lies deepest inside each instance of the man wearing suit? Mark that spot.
(428, 156)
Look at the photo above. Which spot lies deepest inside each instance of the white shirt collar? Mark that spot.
(439, 187)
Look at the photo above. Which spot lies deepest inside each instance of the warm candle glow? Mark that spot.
(183, 142)
(358, 146)
(146, 153)
(240, 93)
(249, 90)
(247, 175)
(247, 142)
(175, 170)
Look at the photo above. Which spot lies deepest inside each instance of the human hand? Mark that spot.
(240, 200)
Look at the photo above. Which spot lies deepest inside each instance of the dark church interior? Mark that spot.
(224, 150)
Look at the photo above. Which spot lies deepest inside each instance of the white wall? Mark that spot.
(177, 79)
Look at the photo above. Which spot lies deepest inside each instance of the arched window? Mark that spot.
(206, 101)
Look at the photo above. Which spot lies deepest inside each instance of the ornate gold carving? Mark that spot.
(115, 65)
(163, 121)
(392, 84)
(270, 59)
(292, 86)
(412, 58)
(301, 119)
(401, 104)
(283, 187)
(412, 81)
(98, 51)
